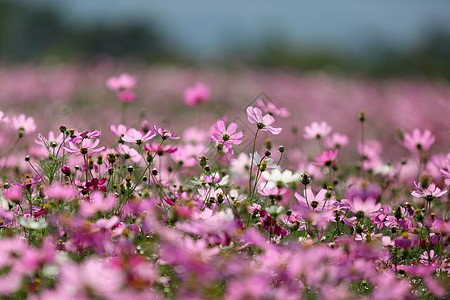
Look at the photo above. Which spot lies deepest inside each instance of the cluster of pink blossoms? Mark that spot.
(123, 85)
(156, 214)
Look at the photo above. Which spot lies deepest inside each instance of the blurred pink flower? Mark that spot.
(417, 140)
(446, 173)
(97, 203)
(272, 109)
(317, 130)
(336, 140)
(362, 208)
(23, 123)
(122, 82)
(196, 94)
(406, 240)
(13, 194)
(126, 96)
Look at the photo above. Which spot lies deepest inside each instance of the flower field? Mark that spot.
(178, 183)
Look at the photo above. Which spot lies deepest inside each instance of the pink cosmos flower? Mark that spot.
(186, 156)
(196, 94)
(417, 140)
(318, 202)
(128, 153)
(327, 158)
(51, 141)
(93, 278)
(122, 82)
(165, 134)
(97, 203)
(255, 116)
(27, 181)
(135, 136)
(86, 147)
(24, 124)
(118, 130)
(271, 108)
(126, 96)
(13, 194)
(60, 192)
(336, 140)
(159, 149)
(431, 192)
(317, 130)
(362, 208)
(226, 136)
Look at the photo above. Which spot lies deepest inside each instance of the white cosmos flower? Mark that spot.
(280, 178)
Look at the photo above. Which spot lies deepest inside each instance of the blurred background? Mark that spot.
(323, 61)
(379, 38)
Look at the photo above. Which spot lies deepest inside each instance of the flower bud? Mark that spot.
(362, 116)
(111, 158)
(66, 170)
(305, 178)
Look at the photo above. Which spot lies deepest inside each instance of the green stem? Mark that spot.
(251, 164)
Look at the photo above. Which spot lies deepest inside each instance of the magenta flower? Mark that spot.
(431, 192)
(126, 96)
(94, 185)
(165, 134)
(196, 94)
(406, 240)
(86, 147)
(24, 124)
(135, 136)
(255, 116)
(122, 82)
(159, 149)
(317, 130)
(226, 136)
(27, 181)
(417, 140)
(327, 158)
